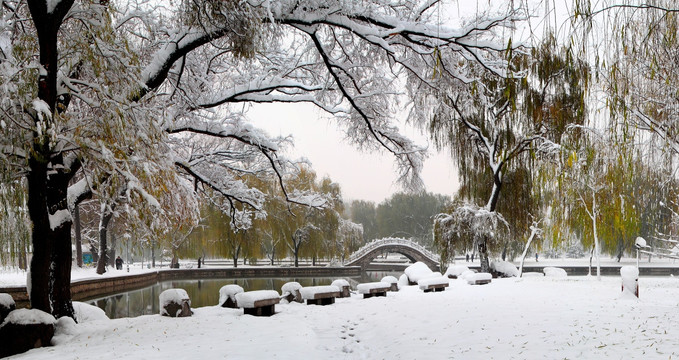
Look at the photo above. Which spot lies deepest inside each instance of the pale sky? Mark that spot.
(362, 176)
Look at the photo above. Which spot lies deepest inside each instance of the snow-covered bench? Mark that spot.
(392, 281)
(344, 287)
(478, 278)
(439, 283)
(258, 302)
(373, 289)
(320, 295)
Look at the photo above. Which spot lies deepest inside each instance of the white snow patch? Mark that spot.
(340, 283)
(42, 109)
(366, 287)
(65, 329)
(417, 271)
(456, 270)
(59, 218)
(389, 280)
(290, 287)
(504, 267)
(6, 300)
(177, 296)
(29, 316)
(554, 272)
(229, 291)
(86, 312)
(51, 5)
(403, 280)
(248, 299)
(310, 292)
(532, 274)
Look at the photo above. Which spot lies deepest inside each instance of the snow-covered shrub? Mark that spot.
(504, 268)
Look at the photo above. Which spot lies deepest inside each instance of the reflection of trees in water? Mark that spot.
(206, 292)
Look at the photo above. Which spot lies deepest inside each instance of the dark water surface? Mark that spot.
(206, 292)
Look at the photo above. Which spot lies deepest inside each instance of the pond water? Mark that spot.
(206, 292)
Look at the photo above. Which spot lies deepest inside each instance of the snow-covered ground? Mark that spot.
(529, 318)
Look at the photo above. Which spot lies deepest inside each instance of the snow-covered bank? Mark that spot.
(531, 318)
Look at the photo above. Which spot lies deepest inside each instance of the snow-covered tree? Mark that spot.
(102, 87)
(504, 124)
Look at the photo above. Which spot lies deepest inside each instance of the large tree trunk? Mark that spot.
(78, 238)
(51, 262)
(60, 235)
(38, 291)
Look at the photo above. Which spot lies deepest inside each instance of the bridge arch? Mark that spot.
(410, 249)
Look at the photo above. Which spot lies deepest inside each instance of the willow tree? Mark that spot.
(503, 123)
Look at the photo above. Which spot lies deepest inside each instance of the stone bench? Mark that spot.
(320, 295)
(479, 278)
(434, 284)
(343, 285)
(373, 289)
(258, 302)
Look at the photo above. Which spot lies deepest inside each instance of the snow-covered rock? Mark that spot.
(86, 312)
(504, 268)
(454, 271)
(6, 305)
(64, 330)
(290, 291)
(417, 271)
(403, 280)
(227, 295)
(554, 272)
(175, 303)
(25, 329)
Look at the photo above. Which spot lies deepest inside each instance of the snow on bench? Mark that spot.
(373, 289)
(344, 287)
(320, 295)
(434, 284)
(391, 280)
(478, 278)
(417, 271)
(227, 295)
(258, 302)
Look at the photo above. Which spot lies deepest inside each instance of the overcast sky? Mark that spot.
(362, 176)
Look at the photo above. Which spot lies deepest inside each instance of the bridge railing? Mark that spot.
(391, 241)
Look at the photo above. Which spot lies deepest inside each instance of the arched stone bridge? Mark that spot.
(412, 250)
